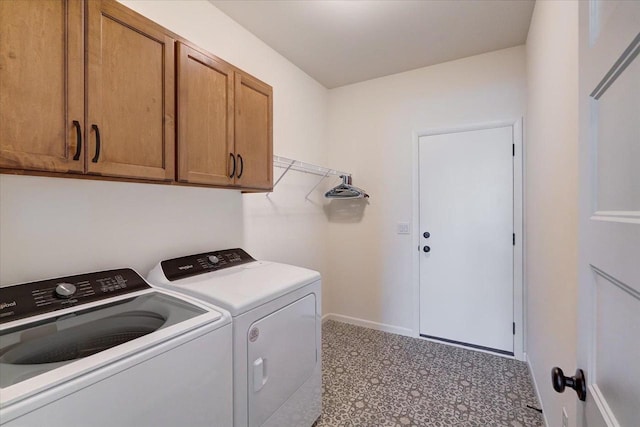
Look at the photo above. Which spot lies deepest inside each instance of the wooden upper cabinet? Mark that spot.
(41, 85)
(130, 94)
(224, 123)
(253, 132)
(89, 87)
(205, 118)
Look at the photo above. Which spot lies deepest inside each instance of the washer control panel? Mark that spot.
(29, 299)
(191, 265)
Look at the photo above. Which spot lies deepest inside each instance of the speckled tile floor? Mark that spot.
(372, 378)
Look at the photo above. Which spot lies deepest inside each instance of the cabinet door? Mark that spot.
(254, 132)
(41, 85)
(130, 94)
(205, 119)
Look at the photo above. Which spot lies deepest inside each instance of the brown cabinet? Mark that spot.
(205, 118)
(129, 130)
(89, 87)
(224, 123)
(41, 85)
(130, 94)
(253, 132)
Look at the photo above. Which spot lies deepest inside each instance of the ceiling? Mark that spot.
(339, 42)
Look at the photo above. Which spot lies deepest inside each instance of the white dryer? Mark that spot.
(107, 349)
(276, 310)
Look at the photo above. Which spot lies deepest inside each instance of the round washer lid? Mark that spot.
(241, 288)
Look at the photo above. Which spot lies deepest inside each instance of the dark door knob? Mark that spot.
(426, 249)
(426, 234)
(576, 382)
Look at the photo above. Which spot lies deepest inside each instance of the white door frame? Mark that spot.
(518, 203)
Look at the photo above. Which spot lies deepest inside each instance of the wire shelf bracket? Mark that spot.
(291, 164)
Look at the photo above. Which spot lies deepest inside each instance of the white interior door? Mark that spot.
(609, 259)
(466, 207)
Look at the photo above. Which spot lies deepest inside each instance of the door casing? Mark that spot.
(518, 220)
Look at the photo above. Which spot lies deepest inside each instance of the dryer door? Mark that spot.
(282, 355)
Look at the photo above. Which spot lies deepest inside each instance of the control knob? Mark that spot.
(214, 259)
(65, 290)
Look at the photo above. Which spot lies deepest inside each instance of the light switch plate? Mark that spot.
(403, 228)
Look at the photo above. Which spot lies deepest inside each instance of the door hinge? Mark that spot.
(514, 328)
(514, 239)
(513, 150)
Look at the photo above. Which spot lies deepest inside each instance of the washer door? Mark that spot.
(282, 355)
(32, 349)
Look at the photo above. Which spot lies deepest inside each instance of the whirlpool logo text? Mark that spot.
(4, 305)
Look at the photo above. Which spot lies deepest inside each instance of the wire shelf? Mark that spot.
(296, 165)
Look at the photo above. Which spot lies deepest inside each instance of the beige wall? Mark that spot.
(52, 226)
(551, 210)
(371, 133)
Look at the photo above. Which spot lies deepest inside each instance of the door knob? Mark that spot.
(576, 382)
(426, 249)
(426, 234)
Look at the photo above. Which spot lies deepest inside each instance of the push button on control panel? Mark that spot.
(213, 259)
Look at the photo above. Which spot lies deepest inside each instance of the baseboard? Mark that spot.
(369, 324)
(535, 386)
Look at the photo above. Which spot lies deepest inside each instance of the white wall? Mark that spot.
(370, 133)
(552, 198)
(52, 226)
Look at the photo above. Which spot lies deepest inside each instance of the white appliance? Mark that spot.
(276, 310)
(107, 349)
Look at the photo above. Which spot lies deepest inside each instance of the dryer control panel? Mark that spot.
(191, 265)
(30, 299)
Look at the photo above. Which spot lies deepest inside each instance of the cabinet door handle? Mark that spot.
(233, 172)
(241, 165)
(76, 124)
(97, 156)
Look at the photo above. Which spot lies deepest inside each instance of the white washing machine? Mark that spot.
(276, 310)
(107, 349)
